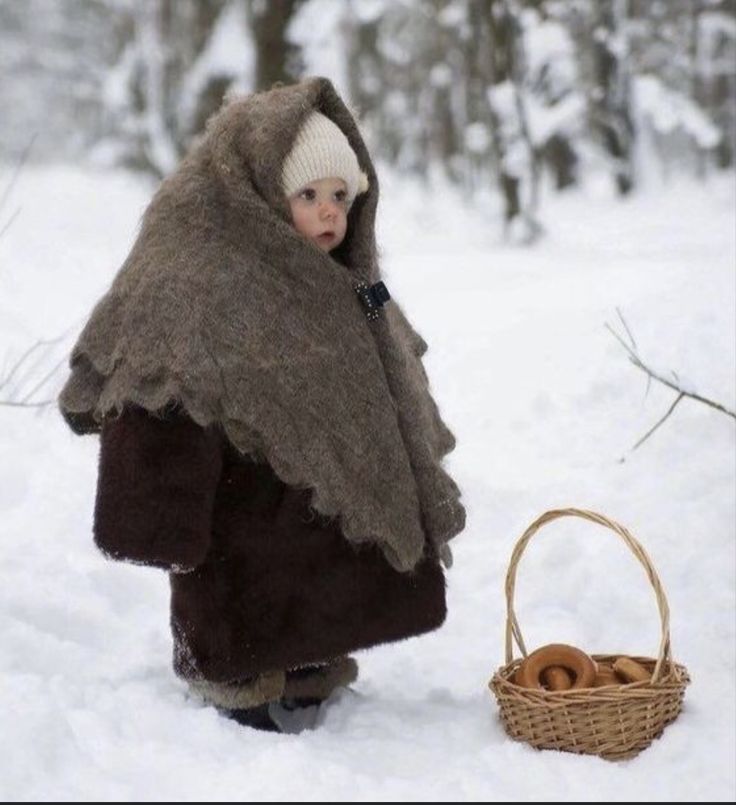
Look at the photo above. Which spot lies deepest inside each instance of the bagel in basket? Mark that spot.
(576, 663)
(630, 670)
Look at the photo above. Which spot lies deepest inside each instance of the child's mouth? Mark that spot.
(326, 236)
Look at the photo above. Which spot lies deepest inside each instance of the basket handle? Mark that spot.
(512, 625)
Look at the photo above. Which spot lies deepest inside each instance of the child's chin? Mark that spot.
(326, 246)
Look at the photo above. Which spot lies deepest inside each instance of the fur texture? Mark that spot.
(223, 308)
(155, 491)
(260, 582)
(320, 681)
(246, 693)
(312, 683)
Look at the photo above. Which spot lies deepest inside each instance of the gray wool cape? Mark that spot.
(224, 309)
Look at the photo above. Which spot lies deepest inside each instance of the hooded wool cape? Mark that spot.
(223, 309)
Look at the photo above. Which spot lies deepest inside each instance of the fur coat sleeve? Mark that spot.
(156, 489)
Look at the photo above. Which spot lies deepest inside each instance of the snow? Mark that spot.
(150, 41)
(452, 14)
(501, 96)
(314, 28)
(477, 137)
(549, 51)
(545, 406)
(440, 75)
(230, 52)
(369, 11)
(545, 121)
(669, 110)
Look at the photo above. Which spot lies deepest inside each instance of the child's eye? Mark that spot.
(341, 195)
(308, 194)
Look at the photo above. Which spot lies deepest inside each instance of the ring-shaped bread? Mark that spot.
(581, 667)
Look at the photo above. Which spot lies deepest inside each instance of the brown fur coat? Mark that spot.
(260, 582)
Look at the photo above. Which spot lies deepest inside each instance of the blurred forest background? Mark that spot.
(495, 95)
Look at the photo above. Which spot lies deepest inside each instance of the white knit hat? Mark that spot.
(321, 151)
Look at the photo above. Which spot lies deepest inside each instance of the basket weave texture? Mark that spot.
(615, 721)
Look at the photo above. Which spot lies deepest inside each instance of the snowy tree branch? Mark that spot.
(22, 365)
(652, 375)
(9, 187)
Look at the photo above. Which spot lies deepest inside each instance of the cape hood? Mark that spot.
(223, 308)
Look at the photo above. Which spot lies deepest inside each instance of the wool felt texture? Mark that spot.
(224, 309)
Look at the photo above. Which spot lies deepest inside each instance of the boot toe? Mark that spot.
(258, 718)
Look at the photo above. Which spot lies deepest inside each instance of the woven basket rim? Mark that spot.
(676, 677)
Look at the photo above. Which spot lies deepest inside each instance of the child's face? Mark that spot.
(320, 212)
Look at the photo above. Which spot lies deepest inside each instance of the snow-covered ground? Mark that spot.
(545, 406)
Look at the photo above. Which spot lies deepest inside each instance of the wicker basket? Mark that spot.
(614, 722)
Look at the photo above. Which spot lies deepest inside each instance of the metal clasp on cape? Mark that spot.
(373, 298)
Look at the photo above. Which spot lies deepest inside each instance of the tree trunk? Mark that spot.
(496, 54)
(611, 96)
(269, 22)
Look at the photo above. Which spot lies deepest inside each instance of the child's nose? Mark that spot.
(329, 208)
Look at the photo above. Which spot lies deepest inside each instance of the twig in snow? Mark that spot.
(25, 402)
(652, 375)
(23, 362)
(13, 179)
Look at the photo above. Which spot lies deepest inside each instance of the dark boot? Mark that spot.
(310, 685)
(256, 717)
(303, 701)
(244, 700)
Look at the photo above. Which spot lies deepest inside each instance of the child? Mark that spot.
(267, 432)
(321, 178)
